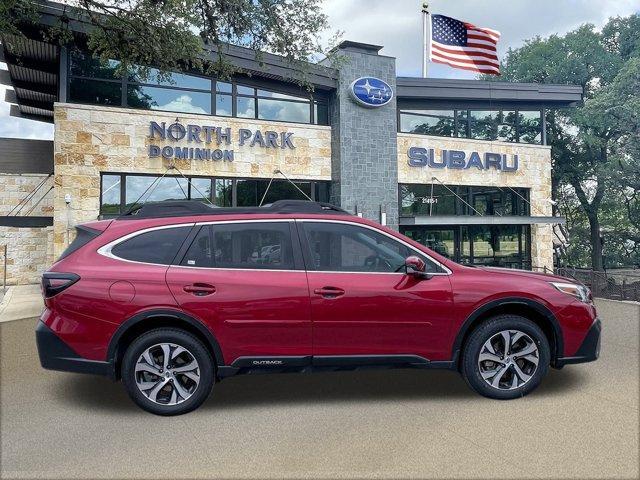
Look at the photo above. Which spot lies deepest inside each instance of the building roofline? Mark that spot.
(413, 88)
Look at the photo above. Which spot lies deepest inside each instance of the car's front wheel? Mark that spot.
(167, 371)
(505, 357)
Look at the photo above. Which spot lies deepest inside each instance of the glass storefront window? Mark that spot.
(201, 189)
(167, 188)
(95, 92)
(506, 121)
(92, 81)
(503, 125)
(246, 107)
(223, 192)
(157, 98)
(224, 105)
(321, 113)
(283, 111)
(180, 80)
(84, 64)
(248, 192)
(462, 123)
(267, 93)
(283, 190)
(483, 125)
(224, 87)
(529, 127)
(110, 197)
(462, 200)
(428, 122)
(422, 200)
(490, 245)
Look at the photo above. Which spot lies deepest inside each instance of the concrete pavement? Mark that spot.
(581, 423)
(20, 302)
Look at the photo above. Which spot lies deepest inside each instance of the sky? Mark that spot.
(397, 25)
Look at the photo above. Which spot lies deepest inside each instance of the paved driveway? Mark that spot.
(581, 423)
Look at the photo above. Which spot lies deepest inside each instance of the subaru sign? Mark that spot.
(371, 92)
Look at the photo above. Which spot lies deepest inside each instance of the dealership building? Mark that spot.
(462, 166)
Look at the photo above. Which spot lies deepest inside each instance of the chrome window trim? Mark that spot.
(446, 272)
(106, 250)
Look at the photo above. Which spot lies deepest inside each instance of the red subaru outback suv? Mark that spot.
(178, 295)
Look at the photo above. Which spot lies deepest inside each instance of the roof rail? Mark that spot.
(192, 207)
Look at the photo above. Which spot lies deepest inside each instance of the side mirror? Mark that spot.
(415, 266)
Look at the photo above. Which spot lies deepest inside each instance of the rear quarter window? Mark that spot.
(156, 246)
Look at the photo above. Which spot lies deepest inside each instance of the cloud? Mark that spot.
(19, 127)
(183, 103)
(397, 25)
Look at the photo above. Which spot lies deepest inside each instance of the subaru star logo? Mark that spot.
(371, 92)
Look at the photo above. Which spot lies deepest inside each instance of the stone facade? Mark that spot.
(29, 250)
(534, 173)
(364, 141)
(91, 139)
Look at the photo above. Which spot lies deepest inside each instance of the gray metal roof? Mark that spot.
(33, 73)
(469, 91)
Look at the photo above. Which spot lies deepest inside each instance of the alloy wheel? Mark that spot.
(508, 360)
(167, 374)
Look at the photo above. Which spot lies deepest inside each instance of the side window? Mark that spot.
(339, 247)
(157, 246)
(253, 245)
(200, 253)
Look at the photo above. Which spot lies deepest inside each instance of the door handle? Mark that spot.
(199, 289)
(329, 292)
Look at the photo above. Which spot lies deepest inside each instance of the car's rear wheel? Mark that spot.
(505, 357)
(168, 371)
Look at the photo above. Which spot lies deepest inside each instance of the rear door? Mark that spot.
(246, 281)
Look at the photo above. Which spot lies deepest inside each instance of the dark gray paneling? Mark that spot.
(18, 155)
(25, 222)
(412, 90)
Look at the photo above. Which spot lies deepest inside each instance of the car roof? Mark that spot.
(196, 208)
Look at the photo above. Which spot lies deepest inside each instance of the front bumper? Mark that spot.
(588, 351)
(57, 355)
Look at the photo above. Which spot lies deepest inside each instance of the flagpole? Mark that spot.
(426, 37)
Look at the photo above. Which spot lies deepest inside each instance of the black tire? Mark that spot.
(194, 347)
(471, 370)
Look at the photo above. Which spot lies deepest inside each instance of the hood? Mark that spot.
(545, 277)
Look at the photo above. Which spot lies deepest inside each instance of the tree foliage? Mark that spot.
(171, 35)
(595, 147)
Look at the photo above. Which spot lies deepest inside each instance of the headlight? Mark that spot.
(581, 292)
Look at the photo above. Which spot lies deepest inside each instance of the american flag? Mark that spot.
(463, 45)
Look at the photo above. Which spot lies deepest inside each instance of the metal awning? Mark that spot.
(479, 220)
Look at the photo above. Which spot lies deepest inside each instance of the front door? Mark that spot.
(362, 302)
(246, 281)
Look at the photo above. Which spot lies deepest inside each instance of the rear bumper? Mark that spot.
(588, 351)
(57, 355)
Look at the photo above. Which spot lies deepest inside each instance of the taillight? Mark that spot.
(54, 282)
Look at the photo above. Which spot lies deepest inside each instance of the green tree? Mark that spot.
(175, 34)
(594, 146)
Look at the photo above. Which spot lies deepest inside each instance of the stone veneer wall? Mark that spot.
(534, 173)
(364, 142)
(92, 139)
(29, 250)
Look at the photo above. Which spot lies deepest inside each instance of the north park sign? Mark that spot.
(199, 136)
(460, 160)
